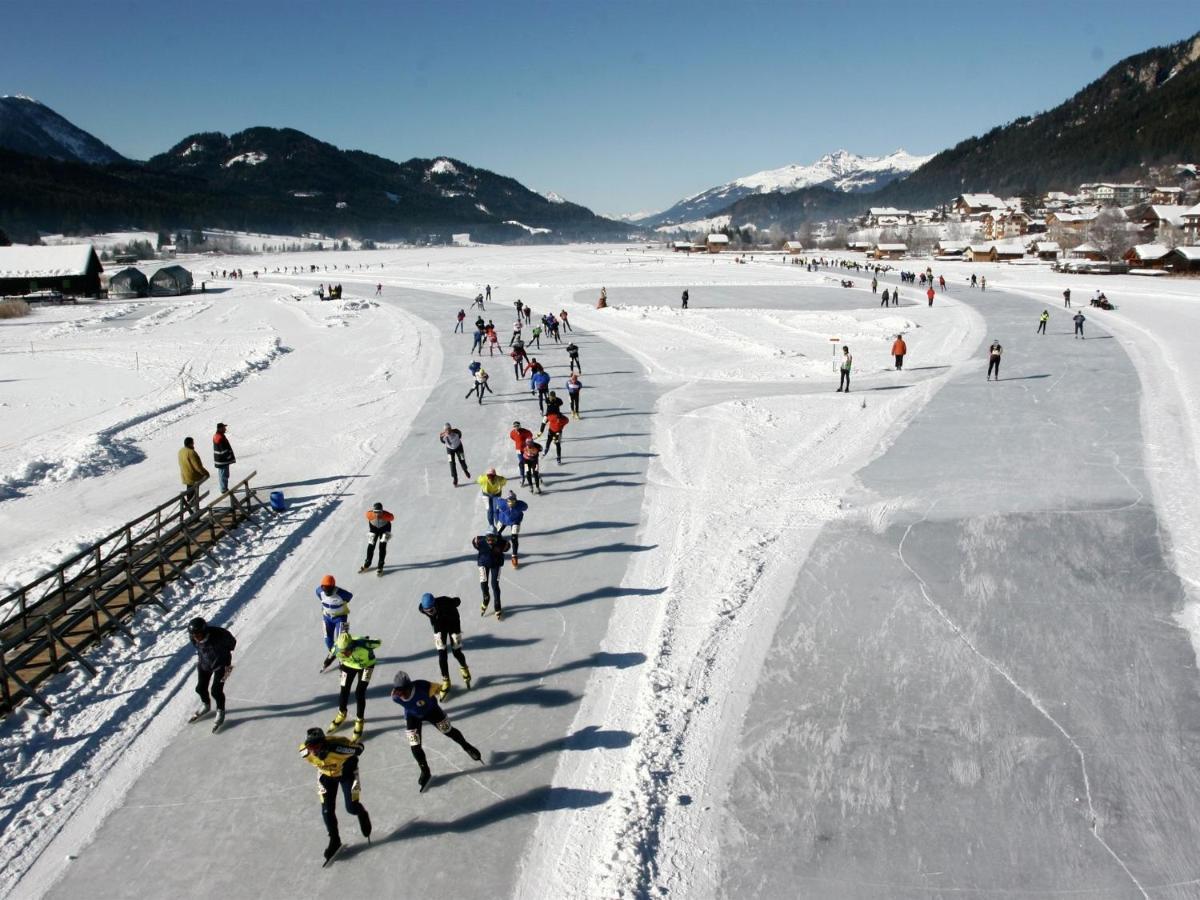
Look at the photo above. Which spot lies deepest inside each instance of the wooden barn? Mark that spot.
(71, 269)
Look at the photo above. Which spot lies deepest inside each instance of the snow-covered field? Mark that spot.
(753, 454)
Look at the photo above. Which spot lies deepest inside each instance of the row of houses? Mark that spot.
(74, 270)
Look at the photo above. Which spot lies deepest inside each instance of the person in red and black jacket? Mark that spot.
(223, 456)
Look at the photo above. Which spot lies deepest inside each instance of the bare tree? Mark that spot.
(1110, 232)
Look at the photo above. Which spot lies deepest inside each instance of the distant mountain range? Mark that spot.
(55, 177)
(27, 126)
(840, 171)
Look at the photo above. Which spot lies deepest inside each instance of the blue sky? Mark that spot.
(617, 105)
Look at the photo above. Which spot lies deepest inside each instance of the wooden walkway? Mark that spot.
(49, 622)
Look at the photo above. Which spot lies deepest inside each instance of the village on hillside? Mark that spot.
(1101, 228)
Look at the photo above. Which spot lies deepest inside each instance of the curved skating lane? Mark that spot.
(977, 687)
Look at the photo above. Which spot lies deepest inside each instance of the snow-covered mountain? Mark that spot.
(840, 170)
(27, 126)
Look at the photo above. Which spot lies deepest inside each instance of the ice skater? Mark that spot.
(1042, 320)
(1078, 319)
(379, 522)
(491, 485)
(214, 655)
(356, 662)
(573, 353)
(451, 439)
(554, 423)
(519, 436)
(574, 389)
(337, 761)
(511, 513)
(490, 551)
(442, 613)
(335, 614)
(994, 353)
(419, 700)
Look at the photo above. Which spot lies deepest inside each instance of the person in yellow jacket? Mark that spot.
(492, 486)
(356, 659)
(337, 761)
(191, 472)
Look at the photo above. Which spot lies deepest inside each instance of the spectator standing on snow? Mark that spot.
(1079, 320)
(899, 348)
(1042, 320)
(684, 300)
(929, 296)
(451, 438)
(223, 457)
(844, 369)
(379, 523)
(191, 472)
(994, 353)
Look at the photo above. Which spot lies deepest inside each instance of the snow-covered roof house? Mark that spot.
(1185, 259)
(889, 251)
(1148, 256)
(973, 204)
(72, 269)
(717, 242)
(950, 248)
(793, 246)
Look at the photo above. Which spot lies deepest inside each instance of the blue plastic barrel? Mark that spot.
(277, 502)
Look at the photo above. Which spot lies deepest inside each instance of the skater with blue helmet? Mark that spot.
(442, 613)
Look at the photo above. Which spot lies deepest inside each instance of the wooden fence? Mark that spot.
(47, 623)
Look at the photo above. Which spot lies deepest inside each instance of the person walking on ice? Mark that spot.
(336, 759)
(442, 613)
(1042, 320)
(492, 487)
(511, 513)
(1079, 320)
(420, 704)
(356, 661)
(451, 438)
(214, 656)
(490, 549)
(573, 353)
(1067, 298)
(379, 522)
(335, 614)
(994, 353)
(899, 349)
(574, 389)
(844, 369)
